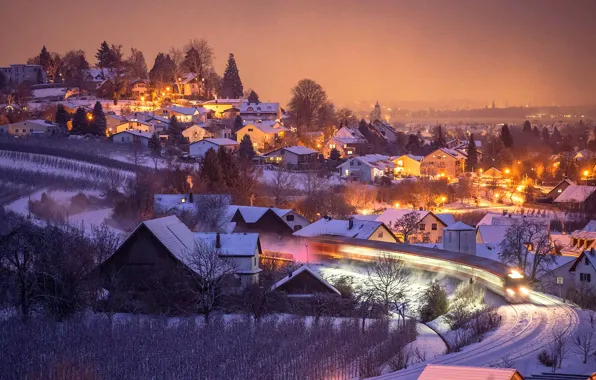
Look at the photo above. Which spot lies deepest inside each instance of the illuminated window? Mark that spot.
(332, 146)
(347, 172)
(400, 163)
(349, 152)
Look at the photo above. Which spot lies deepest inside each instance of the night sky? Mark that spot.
(512, 51)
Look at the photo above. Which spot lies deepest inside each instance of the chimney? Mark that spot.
(217, 240)
(350, 223)
(190, 197)
(289, 273)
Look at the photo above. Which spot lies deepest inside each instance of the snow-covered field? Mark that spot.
(299, 179)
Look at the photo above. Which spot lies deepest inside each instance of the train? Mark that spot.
(496, 276)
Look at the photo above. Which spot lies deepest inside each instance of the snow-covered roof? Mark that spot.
(448, 372)
(237, 244)
(246, 107)
(267, 126)
(377, 161)
(175, 236)
(187, 78)
(136, 132)
(390, 215)
(222, 101)
(451, 152)
(299, 150)
(304, 268)
(492, 234)
(590, 227)
(183, 110)
(575, 194)
(498, 219)
(218, 141)
(459, 226)
(95, 74)
(361, 229)
(448, 219)
(41, 123)
(349, 133)
(49, 92)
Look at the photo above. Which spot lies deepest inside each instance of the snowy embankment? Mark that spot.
(299, 180)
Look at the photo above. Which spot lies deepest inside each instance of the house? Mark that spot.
(487, 233)
(19, 73)
(348, 141)
(584, 155)
(584, 268)
(353, 228)
(221, 107)
(265, 220)
(443, 162)
(460, 237)
(199, 148)
(259, 111)
(368, 168)
(408, 165)
(428, 226)
(295, 157)
(263, 134)
(581, 240)
(139, 89)
(577, 198)
(35, 127)
(159, 122)
(557, 190)
(132, 136)
(384, 130)
(450, 372)
(188, 85)
(159, 258)
(196, 133)
(492, 173)
(304, 282)
(186, 114)
(344, 149)
(135, 125)
(112, 121)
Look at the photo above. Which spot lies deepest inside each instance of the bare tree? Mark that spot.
(313, 183)
(558, 348)
(54, 65)
(406, 226)
(211, 212)
(211, 274)
(177, 67)
(104, 241)
(198, 59)
(584, 344)
(528, 247)
(388, 278)
(283, 182)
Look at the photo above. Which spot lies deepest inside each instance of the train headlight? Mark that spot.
(524, 290)
(510, 291)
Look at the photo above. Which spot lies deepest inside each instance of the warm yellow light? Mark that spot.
(90, 117)
(167, 89)
(515, 274)
(506, 171)
(443, 199)
(510, 291)
(586, 173)
(142, 98)
(396, 205)
(520, 188)
(163, 94)
(524, 290)
(496, 195)
(442, 174)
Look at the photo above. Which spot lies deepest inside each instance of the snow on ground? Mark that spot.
(300, 179)
(21, 206)
(428, 342)
(94, 218)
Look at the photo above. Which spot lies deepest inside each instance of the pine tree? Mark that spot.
(545, 135)
(155, 146)
(62, 117)
(472, 160)
(98, 122)
(527, 128)
(506, 137)
(334, 155)
(556, 137)
(80, 125)
(2, 81)
(238, 123)
(253, 97)
(231, 84)
(246, 150)
(44, 58)
(536, 133)
(211, 171)
(439, 137)
(39, 77)
(228, 167)
(104, 56)
(175, 130)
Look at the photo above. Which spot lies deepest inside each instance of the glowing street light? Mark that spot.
(396, 205)
(586, 172)
(90, 117)
(142, 98)
(507, 171)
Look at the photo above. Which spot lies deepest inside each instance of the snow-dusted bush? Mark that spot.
(434, 302)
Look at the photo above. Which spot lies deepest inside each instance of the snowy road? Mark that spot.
(525, 330)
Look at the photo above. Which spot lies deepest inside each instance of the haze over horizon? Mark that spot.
(512, 52)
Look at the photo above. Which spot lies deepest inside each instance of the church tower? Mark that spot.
(376, 113)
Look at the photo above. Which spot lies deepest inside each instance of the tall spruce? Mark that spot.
(472, 160)
(231, 84)
(98, 121)
(334, 155)
(439, 137)
(253, 97)
(556, 136)
(536, 133)
(246, 150)
(44, 58)
(228, 166)
(506, 137)
(155, 146)
(80, 124)
(545, 136)
(104, 56)
(211, 171)
(527, 128)
(62, 117)
(175, 130)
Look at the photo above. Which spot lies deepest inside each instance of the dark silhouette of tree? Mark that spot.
(231, 86)
(104, 56)
(439, 137)
(545, 136)
(506, 137)
(472, 160)
(238, 124)
(80, 124)
(39, 76)
(211, 171)
(2, 81)
(246, 150)
(155, 146)
(527, 128)
(334, 155)
(413, 143)
(74, 66)
(556, 136)
(62, 117)
(98, 122)
(175, 130)
(161, 72)
(229, 168)
(198, 60)
(44, 58)
(309, 105)
(253, 97)
(536, 133)
(136, 65)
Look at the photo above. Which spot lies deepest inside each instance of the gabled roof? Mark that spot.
(236, 244)
(299, 150)
(575, 194)
(361, 229)
(449, 152)
(136, 132)
(390, 215)
(448, 372)
(174, 235)
(304, 268)
(492, 234)
(580, 258)
(268, 127)
(377, 161)
(590, 227)
(218, 141)
(448, 219)
(183, 110)
(459, 226)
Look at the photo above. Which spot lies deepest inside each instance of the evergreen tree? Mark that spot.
(104, 56)
(472, 160)
(556, 137)
(334, 155)
(80, 125)
(39, 77)
(439, 137)
(2, 81)
(211, 171)
(536, 133)
(62, 117)
(238, 123)
(246, 150)
(228, 166)
(175, 130)
(44, 58)
(231, 84)
(98, 122)
(506, 137)
(545, 135)
(253, 97)
(527, 128)
(154, 145)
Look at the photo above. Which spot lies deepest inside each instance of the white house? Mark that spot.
(584, 269)
(428, 224)
(259, 111)
(199, 148)
(367, 168)
(35, 127)
(135, 125)
(460, 237)
(241, 249)
(196, 133)
(186, 114)
(354, 228)
(132, 136)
